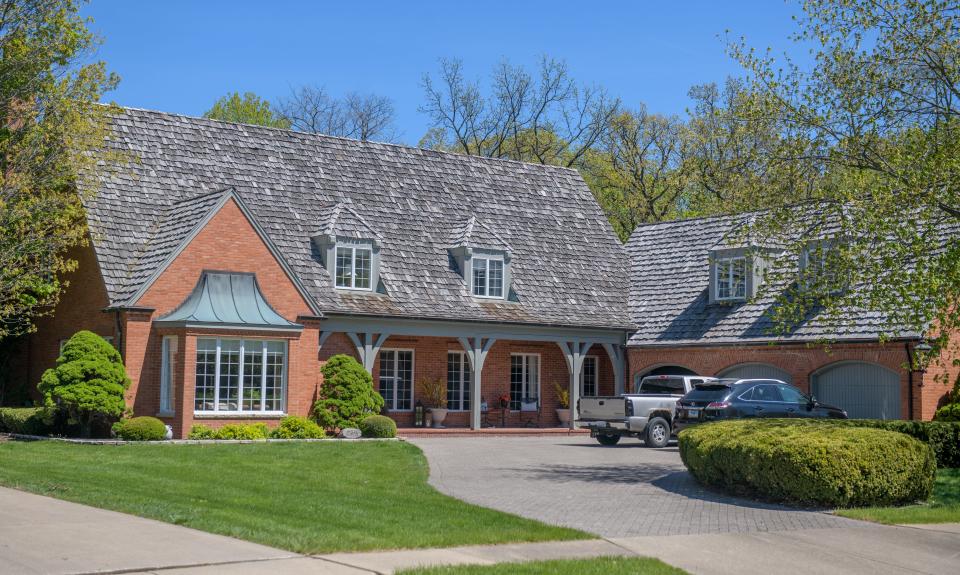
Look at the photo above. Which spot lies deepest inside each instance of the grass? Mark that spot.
(943, 506)
(305, 497)
(594, 566)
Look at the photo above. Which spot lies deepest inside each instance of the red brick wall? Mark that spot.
(81, 307)
(800, 361)
(229, 243)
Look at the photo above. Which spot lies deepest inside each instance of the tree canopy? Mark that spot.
(49, 121)
(246, 109)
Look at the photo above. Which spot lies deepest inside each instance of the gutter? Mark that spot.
(770, 342)
(478, 321)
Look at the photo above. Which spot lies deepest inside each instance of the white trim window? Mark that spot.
(168, 353)
(731, 278)
(240, 376)
(396, 379)
(487, 277)
(589, 376)
(458, 381)
(524, 379)
(354, 267)
(817, 268)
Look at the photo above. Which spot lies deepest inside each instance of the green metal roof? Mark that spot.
(227, 299)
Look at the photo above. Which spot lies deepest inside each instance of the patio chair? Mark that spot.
(530, 411)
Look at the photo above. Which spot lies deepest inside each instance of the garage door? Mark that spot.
(756, 371)
(865, 390)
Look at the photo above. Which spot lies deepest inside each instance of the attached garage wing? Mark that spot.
(864, 390)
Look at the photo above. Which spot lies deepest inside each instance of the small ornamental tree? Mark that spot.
(88, 381)
(347, 395)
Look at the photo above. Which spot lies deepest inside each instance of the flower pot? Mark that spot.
(438, 416)
(564, 416)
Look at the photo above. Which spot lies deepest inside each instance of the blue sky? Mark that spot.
(180, 56)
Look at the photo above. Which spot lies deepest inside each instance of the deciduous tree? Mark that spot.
(246, 109)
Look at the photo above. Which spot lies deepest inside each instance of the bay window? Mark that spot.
(240, 375)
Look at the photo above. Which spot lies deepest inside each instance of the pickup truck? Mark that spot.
(647, 414)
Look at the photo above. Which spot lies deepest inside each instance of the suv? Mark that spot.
(740, 398)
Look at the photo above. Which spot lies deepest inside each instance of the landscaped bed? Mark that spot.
(594, 566)
(305, 497)
(942, 507)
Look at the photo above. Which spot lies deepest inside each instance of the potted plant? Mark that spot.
(563, 399)
(434, 392)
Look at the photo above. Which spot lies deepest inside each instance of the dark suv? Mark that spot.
(739, 398)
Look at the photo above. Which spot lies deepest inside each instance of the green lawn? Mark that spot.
(943, 506)
(305, 497)
(595, 566)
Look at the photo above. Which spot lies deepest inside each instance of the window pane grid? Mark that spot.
(588, 377)
(458, 381)
(396, 379)
(731, 278)
(524, 384)
(234, 375)
(354, 267)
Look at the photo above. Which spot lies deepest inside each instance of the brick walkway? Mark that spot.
(622, 491)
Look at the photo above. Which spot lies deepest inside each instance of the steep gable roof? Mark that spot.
(568, 267)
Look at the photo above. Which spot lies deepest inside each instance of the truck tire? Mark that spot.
(657, 433)
(608, 440)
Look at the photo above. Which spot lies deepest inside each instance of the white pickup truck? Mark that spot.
(648, 413)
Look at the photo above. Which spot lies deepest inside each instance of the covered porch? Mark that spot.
(495, 376)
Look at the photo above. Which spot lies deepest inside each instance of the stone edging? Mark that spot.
(23, 437)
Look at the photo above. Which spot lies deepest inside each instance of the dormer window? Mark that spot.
(731, 279)
(487, 276)
(817, 267)
(354, 266)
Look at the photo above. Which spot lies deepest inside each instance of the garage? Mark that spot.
(864, 390)
(756, 371)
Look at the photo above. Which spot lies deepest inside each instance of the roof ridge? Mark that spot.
(469, 157)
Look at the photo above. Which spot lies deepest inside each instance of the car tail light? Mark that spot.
(718, 405)
(629, 409)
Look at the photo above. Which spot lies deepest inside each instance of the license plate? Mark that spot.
(693, 413)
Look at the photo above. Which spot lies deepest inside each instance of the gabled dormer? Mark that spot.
(483, 258)
(349, 249)
(737, 269)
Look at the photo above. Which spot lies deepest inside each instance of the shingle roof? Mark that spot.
(568, 267)
(670, 277)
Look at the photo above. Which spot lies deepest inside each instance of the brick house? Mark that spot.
(692, 297)
(228, 262)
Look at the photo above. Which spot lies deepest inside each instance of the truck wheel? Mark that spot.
(657, 433)
(608, 440)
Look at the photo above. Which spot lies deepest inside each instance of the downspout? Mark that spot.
(118, 328)
(906, 347)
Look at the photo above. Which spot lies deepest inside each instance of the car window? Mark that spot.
(766, 392)
(792, 395)
(746, 395)
(662, 385)
(707, 393)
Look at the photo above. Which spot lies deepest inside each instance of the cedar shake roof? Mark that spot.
(670, 277)
(568, 267)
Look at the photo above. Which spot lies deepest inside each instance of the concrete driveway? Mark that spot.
(622, 491)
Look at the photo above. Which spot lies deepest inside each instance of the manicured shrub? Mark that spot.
(293, 427)
(243, 431)
(88, 381)
(378, 426)
(949, 412)
(23, 420)
(140, 429)
(942, 436)
(810, 464)
(347, 394)
(200, 431)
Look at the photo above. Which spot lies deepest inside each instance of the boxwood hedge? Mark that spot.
(143, 428)
(942, 436)
(23, 420)
(378, 426)
(810, 464)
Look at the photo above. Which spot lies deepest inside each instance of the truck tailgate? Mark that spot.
(609, 408)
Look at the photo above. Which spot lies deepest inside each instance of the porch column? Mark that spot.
(476, 349)
(368, 345)
(617, 358)
(574, 352)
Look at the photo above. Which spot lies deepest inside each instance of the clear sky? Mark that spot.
(180, 56)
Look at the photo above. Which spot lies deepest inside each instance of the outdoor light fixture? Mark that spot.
(418, 420)
(918, 356)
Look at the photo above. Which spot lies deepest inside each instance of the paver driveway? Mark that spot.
(622, 491)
